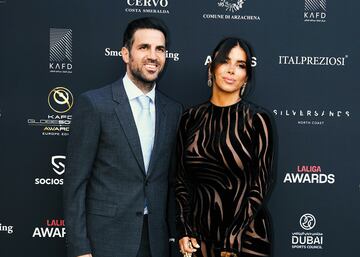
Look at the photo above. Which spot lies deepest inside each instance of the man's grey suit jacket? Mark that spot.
(105, 182)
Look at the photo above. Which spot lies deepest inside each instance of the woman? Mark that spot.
(226, 152)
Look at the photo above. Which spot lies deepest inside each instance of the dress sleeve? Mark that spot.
(183, 185)
(259, 180)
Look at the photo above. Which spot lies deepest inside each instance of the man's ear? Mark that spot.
(125, 54)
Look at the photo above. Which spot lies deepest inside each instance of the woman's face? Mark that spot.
(231, 75)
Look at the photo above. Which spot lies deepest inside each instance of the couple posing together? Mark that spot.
(145, 179)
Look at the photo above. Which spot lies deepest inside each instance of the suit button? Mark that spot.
(146, 183)
(139, 213)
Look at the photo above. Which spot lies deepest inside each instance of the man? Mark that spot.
(119, 157)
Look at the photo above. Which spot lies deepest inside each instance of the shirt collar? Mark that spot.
(132, 91)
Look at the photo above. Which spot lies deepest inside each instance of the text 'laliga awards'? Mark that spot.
(309, 174)
(60, 101)
(230, 10)
(52, 228)
(254, 61)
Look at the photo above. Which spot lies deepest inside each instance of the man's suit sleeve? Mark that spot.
(174, 245)
(81, 152)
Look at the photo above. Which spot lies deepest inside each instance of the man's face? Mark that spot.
(146, 58)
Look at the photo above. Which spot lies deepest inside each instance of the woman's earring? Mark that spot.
(242, 91)
(210, 81)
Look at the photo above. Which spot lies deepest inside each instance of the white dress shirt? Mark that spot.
(132, 92)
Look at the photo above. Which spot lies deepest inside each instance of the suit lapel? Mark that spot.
(160, 124)
(126, 119)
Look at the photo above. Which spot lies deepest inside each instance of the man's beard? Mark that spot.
(137, 74)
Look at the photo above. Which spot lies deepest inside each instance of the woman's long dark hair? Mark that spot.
(222, 50)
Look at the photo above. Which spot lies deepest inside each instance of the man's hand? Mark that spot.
(188, 245)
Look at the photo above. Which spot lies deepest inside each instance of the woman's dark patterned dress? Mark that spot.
(223, 177)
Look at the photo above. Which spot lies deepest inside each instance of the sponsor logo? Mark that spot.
(315, 11)
(307, 221)
(58, 166)
(230, 10)
(173, 56)
(53, 228)
(147, 6)
(306, 239)
(232, 6)
(313, 60)
(253, 61)
(313, 117)
(6, 229)
(309, 174)
(112, 53)
(60, 50)
(60, 100)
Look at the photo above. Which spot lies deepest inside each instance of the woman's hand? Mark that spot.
(188, 245)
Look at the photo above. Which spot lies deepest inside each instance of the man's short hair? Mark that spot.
(143, 23)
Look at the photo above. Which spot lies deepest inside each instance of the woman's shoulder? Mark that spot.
(193, 115)
(196, 109)
(258, 116)
(255, 109)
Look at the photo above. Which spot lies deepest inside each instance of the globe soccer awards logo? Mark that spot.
(60, 99)
(231, 6)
